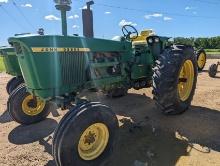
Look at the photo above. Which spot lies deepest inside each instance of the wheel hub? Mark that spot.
(32, 103)
(201, 60)
(186, 79)
(90, 138)
(32, 106)
(93, 141)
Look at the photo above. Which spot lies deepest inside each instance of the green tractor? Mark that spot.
(57, 68)
(12, 68)
(213, 69)
(23, 110)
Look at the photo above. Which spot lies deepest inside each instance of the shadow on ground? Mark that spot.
(146, 137)
(5, 117)
(152, 138)
(32, 133)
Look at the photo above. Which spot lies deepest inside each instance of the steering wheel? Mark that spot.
(128, 30)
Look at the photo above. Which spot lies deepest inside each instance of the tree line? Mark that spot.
(207, 43)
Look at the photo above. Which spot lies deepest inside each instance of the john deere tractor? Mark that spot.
(12, 68)
(57, 67)
(24, 109)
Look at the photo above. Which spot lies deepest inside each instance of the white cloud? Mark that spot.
(3, 1)
(155, 15)
(26, 5)
(75, 26)
(117, 38)
(84, 7)
(124, 22)
(74, 16)
(70, 17)
(51, 18)
(107, 12)
(190, 8)
(187, 8)
(167, 18)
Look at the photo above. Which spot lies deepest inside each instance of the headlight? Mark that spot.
(150, 40)
(157, 40)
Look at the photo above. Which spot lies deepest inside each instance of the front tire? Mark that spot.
(14, 83)
(26, 110)
(85, 136)
(174, 79)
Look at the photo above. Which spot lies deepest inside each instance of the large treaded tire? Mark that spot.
(14, 83)
(70, 128)
(166, 79)
(198, 53)
(15, 107)
(213, 69)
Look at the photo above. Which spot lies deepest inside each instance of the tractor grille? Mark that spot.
(73, 68)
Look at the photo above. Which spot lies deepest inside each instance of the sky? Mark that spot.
(173, 18)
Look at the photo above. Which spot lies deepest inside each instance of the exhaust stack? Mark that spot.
(87, 19)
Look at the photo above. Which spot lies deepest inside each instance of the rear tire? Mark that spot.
(167, 81)
(14, 83)
(67, 148)
(22, 110)
(213, 70)
(201, 59)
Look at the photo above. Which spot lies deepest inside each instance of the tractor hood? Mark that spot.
(53, 65)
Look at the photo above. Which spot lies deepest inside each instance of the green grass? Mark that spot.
(213, 51)
(2, 66)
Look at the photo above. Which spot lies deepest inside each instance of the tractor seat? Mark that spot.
(141, 39)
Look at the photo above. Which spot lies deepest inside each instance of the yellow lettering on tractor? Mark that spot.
(59, 49)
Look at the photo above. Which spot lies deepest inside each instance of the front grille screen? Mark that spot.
(73, 66)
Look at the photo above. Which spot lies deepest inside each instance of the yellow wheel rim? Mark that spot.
(31, 107)
(93, 141)
(201, 60)
(186, 79)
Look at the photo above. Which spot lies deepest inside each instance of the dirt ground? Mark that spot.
(146, 137)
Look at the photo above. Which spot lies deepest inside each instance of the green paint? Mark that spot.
(106, 65)
(10, 61)
(2, 66)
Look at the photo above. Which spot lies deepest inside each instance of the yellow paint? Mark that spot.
(59, 49)
(143, 36)
(185, 88)
(201, 60)
(93, 141)
(32, 111)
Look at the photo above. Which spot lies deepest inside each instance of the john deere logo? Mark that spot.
(59, 49)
